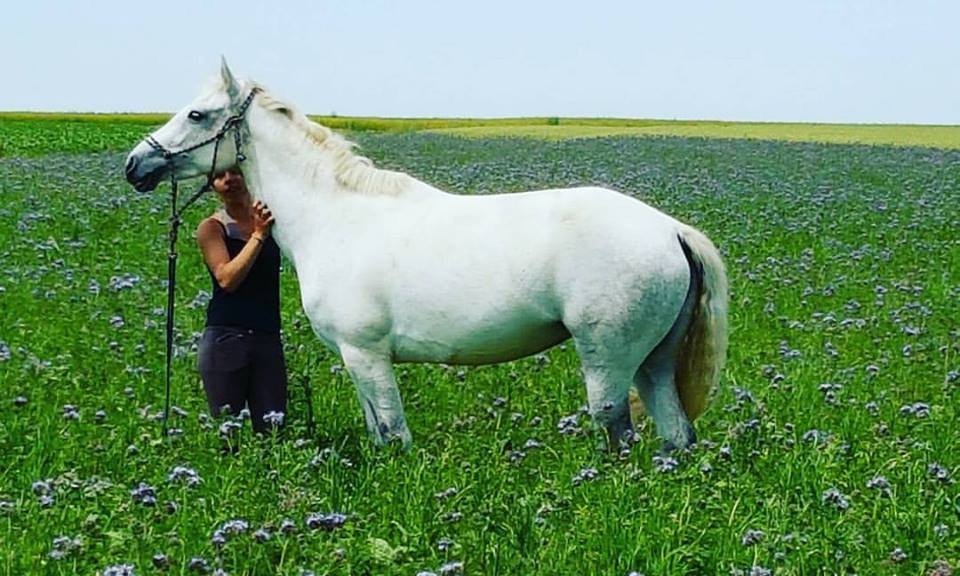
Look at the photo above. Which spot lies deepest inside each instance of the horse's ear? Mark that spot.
(233, 87)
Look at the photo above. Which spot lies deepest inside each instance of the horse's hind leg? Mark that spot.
(608, 387)
(654, 381)
(607, 398)
(379, 396)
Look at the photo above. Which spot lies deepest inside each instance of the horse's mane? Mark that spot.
(353, 172)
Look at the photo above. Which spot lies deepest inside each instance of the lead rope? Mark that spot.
(232, 123)
(175, 221)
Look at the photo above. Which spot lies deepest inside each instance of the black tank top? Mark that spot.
(255, 304)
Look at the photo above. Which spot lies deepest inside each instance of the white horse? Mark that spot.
(392, 269)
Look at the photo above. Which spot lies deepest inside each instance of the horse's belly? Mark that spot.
(490, 346)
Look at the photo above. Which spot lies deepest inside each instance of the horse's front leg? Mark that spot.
(372, 373)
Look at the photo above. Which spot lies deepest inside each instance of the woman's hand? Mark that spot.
(262, 220)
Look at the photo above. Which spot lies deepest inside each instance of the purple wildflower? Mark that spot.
(144, 494)
(815, 436)
(898, 555)
(119, 570)
(665, 464)
(63, 546)
(941, 568)
(123, 282)
(20, 401)
(235, 527)
(184, 475)
(449, 492)
(41, 487)
(835, 498)
(751, 537)
(585, 474)
(532, 443)
(160, 560)
(229, 427)
(568, 425)
(880, 483)
(273, 418)
(198, 564)
(917, 409)
(261, 535)
(452, 569)
(219, 538)
(326, 522)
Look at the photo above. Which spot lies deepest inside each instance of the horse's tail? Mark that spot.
(704, 348)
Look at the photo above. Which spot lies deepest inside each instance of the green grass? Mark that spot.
(32, 133)
(844, 269)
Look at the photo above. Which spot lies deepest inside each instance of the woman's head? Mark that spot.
(230, 185)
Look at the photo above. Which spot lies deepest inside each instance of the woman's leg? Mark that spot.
(268, 382)
(224, 365)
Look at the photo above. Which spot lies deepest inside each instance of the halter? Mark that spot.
(232, 123)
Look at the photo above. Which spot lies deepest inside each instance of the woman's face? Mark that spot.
(230, 185)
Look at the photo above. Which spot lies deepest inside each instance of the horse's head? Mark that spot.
(186, 143)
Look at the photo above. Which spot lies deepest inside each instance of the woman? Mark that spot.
(241, 357)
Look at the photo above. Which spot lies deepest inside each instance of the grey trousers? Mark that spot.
(243, 368)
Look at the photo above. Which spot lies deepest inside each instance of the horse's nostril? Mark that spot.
(131, 166)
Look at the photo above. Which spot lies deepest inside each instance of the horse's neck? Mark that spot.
(286, 174)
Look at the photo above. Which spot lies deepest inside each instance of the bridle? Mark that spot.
(234, 123)
(231, 123)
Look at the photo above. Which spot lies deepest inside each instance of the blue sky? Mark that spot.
(809, 60)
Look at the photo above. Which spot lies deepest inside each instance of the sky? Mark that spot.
(863, 61)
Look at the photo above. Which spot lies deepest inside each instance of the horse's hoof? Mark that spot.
(396, 437)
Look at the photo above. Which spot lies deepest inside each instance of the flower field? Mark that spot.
(831, 445)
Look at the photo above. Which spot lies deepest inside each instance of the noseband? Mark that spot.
(232, 123)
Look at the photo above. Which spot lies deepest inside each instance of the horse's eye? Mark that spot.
(195, 116)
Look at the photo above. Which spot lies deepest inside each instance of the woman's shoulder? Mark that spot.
(213, 223)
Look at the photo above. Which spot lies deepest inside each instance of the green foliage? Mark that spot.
(34, 134)
(843, 367)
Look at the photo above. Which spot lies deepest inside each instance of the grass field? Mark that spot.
(31, 134)
(830, 446)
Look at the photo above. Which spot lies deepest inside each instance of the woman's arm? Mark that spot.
(231, 273)
(228, 273)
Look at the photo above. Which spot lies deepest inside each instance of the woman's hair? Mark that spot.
(235, 168)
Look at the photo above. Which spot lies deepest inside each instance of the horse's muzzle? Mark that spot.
(145, 170)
